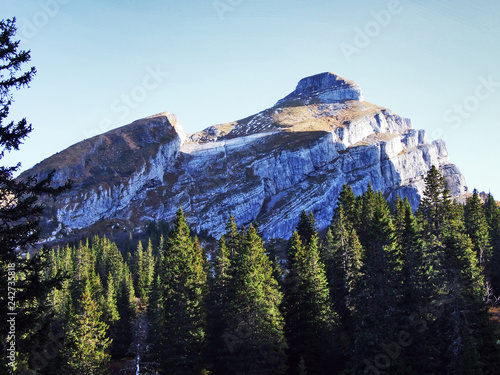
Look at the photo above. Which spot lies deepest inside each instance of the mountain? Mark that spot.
(265, 168)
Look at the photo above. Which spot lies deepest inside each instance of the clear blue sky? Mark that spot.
(105, 63)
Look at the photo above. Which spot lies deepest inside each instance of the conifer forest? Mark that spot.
(384, 290)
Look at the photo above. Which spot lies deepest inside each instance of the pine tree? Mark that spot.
(154, 315)
(110, 311)
(341, 253)
(416, 291)
(220, 295)
(183, 292)
(347, 199)
(255, 343)
(435, 208)
(148, 270)
(306, 227)
(477, 228)
(20, 207)
(376, 298)
(492, 214)
(460, 330)
(366, 208)
(273, 257)
(411, 249)
(233, 238)
(310, 320)
(126, 305)
(141, 274)
(85, 353)
(108, 259)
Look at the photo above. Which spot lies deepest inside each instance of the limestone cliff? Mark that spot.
(266, 168)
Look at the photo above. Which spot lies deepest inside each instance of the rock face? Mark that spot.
(324, 88)
(266, 168)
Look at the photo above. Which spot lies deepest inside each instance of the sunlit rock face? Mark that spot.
(266, 168)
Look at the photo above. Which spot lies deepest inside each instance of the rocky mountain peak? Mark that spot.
(323, 88)
(265, 168)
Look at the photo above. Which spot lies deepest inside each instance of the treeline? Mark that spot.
(385, 291)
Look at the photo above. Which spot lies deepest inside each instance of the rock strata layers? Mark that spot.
(266, 168)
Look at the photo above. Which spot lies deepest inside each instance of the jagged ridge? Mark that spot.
(265, 168)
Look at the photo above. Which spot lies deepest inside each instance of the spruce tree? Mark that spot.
(310, 321)
(416, 292)
(85, 352)
(110, 311)
(127, 310)
(492, 213)
(232, 237)
(435, 208)
(347, 199)
(144, 271)
(412, 253)
(341, 253)
(459, 329)
(20, 209)
(306, 227)
(219, 298)
(478, 231)
(255, 343)
(376, 298)
(183, 292)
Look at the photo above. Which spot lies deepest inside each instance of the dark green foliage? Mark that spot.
(341, 253)
(20, 214)
(182, 312)
(350, 204)
(411, 250)
(492, 214)
(306, 227)
(478, 231)
(255, 343)
(233, 237)
(376, 298)
(460, 330)
(435, 209)
(144, 263)
(386, 292)
(310, 320)
(218, 305)
(85, 349)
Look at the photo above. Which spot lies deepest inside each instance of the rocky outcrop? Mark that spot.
(323, 88)
(266, 168)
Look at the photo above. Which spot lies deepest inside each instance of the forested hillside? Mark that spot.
(386, 290)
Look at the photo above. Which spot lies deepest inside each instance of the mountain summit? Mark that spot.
(324, 88)
(265, 168)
